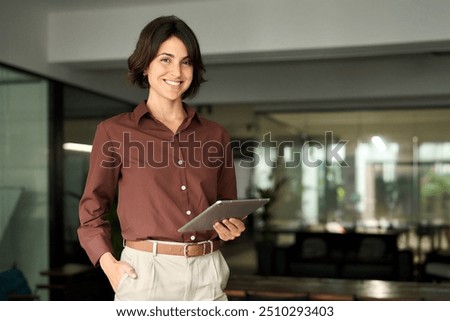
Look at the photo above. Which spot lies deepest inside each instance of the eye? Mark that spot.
(187, 62)
(165, 60)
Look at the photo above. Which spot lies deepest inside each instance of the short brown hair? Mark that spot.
(152, 36)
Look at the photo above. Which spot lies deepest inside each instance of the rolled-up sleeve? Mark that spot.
(94, 232)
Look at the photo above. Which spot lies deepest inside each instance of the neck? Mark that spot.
(167, 109)
(170, 113)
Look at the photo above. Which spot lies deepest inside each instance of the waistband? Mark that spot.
(182, 249)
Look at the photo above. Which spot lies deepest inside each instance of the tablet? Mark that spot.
(221, 210)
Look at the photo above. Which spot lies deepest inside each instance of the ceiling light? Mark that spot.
(85, 148)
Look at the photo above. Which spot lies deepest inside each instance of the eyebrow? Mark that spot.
(171, 55)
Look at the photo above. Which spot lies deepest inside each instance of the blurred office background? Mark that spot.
(355, 95)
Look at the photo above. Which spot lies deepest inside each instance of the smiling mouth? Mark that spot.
(173, 83)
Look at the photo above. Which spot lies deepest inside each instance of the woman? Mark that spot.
(168, 165)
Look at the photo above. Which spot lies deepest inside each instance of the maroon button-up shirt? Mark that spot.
(163, 179)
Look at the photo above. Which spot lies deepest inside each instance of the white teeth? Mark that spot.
(173, 83)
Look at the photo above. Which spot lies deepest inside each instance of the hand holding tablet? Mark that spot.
(221, 210)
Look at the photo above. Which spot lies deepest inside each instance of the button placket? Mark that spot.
(180, 162)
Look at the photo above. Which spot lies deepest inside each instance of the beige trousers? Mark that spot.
(164, 277)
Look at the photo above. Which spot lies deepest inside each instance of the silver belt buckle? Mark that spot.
(210, 246)
(204, 244)
(185, 250)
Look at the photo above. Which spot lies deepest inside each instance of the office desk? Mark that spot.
(337, 289)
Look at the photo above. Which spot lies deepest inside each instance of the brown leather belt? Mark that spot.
(187, 249)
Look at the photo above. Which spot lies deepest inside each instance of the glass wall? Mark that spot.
(83, 111)
(41, 177)
(339, 171)
(24, 190)
(371, 169)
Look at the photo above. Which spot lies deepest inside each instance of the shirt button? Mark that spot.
(180, 162)
(183, 187)
(192, 237)
(188, 212)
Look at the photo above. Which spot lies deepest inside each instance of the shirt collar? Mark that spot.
(141, 110)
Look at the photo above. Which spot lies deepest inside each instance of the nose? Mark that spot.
(176, 70)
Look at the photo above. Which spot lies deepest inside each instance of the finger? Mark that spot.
(235, 226)
(227, 231)
(232, 230)
(132, 273)
(240, 225)
(223, 232)
(220, 228)
(129, 270)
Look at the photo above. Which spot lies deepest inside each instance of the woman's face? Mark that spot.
(170, 72)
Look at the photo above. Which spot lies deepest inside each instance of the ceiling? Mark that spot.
(287, 77)
(395, 125)
(399, 125)
(242, 117)
(63, 5)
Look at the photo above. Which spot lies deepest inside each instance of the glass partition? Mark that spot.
(24, 190)
(342, 171)
(367, 171)
(83, 111)
(41, 177)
